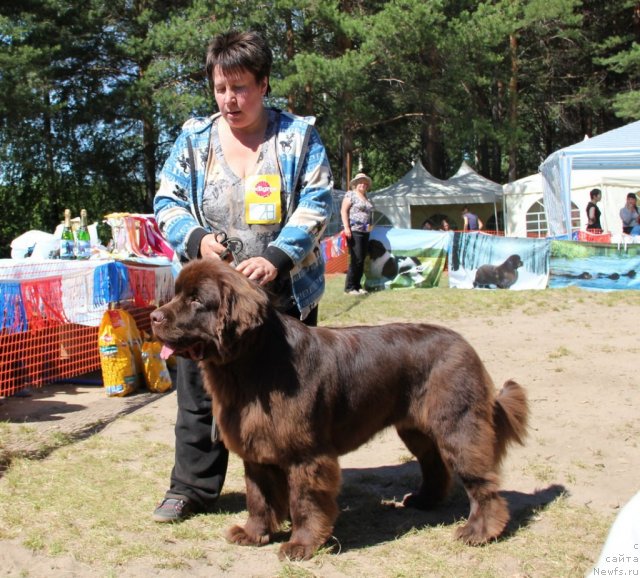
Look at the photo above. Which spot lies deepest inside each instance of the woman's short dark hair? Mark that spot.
(237, 51)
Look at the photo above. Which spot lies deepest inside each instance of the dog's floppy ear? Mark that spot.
(243, 308)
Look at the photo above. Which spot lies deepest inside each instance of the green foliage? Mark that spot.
(569, 250)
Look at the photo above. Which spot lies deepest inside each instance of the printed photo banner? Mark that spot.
(595, 267)
(405, 258)
(480, 261)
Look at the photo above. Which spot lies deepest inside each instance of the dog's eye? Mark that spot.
(194, 299)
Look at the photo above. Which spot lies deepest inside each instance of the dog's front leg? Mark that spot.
(313, 506)
(267, 505)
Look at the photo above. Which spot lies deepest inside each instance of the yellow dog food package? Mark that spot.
(119, 344)
(156, 373)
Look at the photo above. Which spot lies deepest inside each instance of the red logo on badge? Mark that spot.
(263, 189)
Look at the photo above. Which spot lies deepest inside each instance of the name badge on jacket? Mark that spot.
(263, 199)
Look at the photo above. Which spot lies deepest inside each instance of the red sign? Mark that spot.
(263, 189)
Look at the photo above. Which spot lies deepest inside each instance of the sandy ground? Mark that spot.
(579, 364)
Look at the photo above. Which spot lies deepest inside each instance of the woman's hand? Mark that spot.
(210, 247)
(258, 269)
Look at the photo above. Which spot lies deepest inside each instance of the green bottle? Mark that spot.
(67, 242)
(83, 240)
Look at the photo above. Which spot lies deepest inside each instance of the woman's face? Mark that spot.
(239, 97)
(362, 187)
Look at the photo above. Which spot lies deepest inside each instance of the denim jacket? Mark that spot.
(307, 181)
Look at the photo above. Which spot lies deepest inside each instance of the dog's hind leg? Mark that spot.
(472, 458)
(313, 506)
(436, 478)
(267, 504)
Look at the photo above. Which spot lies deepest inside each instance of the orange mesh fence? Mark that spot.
(50, 312)
(338, 264)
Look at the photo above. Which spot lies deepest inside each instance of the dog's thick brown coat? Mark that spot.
(290, 399)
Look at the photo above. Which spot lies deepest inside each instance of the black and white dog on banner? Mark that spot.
(385, 266)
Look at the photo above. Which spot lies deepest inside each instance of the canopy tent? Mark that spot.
(521, 198)
(475, 184)
(615, 149)
(404, 202)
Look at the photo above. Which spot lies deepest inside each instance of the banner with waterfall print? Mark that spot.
(405, 258)
(480, 261)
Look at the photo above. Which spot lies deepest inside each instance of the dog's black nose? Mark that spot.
(157, 317)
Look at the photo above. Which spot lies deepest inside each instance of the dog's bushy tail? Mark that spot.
(510, 417)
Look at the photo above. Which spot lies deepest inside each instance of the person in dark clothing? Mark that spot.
(250, 185)
(593, 212)
(356, 212)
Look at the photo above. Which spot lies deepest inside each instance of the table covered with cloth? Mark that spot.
(50, 312)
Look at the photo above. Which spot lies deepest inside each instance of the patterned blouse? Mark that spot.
(360, 212)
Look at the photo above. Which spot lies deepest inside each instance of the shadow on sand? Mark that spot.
(371, 510)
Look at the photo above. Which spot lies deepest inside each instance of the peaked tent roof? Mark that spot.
(420, 187)
(414, 185)
(473, 182)
(615, 149)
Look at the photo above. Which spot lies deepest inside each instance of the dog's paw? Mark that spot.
(238, 535)
(470, 536)
(296, 551)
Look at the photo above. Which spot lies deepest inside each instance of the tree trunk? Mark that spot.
(149, 159)
(513, 109)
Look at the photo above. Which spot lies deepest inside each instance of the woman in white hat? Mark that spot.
(357, 213)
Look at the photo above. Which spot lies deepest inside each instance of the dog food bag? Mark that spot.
(118, 340)
(156, 373)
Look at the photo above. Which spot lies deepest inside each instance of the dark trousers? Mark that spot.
(358, 245)
(200, 463)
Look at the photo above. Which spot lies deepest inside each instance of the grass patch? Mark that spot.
(442, 303)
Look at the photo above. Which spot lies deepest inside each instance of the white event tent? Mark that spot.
(405, 204)
(521, 198)
(610, 151)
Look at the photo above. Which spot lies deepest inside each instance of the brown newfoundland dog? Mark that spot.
(290, 399)
(502, 276)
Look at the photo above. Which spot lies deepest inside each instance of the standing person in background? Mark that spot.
(356, 213)
(471, 221)
(630, 216)
(257, 176)
(593, 212)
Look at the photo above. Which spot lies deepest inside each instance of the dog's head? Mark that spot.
(514, 261)
(382, 262)
(213, 308)
(376, 249)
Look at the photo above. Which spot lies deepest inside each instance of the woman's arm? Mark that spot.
(344, 213)
(172, 203)
(304, 227)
